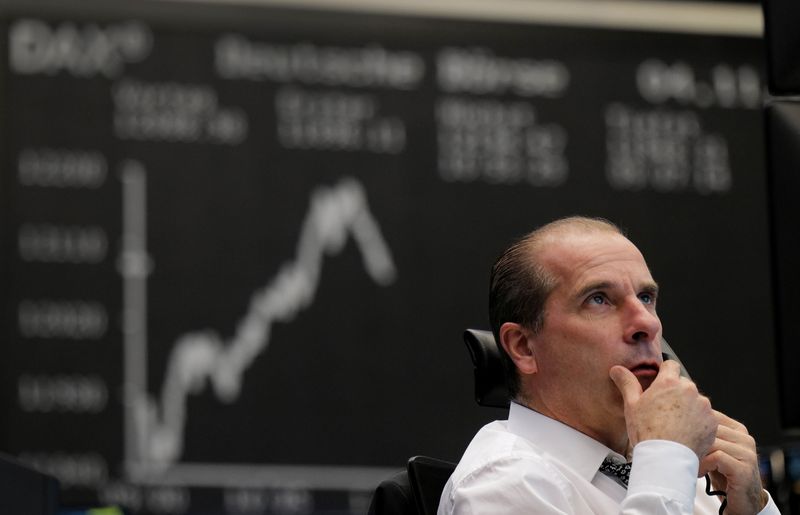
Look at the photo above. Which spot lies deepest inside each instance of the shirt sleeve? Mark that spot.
(771, 508)
(663, 479)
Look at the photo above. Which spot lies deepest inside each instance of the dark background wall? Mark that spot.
(240, 244)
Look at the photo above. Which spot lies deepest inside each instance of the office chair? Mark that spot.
(414, 491)
(393, 496)
(428, 477)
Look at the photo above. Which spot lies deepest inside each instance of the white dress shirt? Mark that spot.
(534, 464)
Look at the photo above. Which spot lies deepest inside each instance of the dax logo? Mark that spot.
(82, 50)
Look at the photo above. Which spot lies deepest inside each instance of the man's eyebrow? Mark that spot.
(648, 287)
(589, 288)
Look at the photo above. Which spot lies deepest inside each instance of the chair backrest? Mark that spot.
(414, 491)
(428, 477)
(393, 496)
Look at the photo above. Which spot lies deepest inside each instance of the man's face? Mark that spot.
(601, 313)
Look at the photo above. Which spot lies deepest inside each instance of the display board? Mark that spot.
(240, 244)
(780, 19)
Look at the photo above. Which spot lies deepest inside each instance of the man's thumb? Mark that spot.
(626, 382)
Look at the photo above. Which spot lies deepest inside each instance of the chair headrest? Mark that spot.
(490, 380)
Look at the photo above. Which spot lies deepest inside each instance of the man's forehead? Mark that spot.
(565, 244)
(597, 256)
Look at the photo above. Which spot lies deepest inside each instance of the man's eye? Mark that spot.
(597, 299)
(647, 298)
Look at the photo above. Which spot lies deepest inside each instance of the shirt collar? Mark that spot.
(563, 443)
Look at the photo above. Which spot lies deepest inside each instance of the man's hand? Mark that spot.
(732, 464)
(670, 409)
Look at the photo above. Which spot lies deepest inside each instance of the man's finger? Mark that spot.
(737, 437)
(626, 382)
(734, 449)
(669, 368)
(725, 420)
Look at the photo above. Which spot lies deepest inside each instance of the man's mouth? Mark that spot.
(645, 371)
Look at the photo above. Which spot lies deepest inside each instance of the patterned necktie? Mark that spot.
(619, 471)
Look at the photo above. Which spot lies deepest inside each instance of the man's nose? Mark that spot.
(642, 323)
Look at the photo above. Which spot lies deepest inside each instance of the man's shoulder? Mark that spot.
(500, 467)
(494, 447)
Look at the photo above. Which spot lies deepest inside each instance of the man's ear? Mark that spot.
(516, 341)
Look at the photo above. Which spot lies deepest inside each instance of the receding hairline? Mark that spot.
(573, 225)
(576, 224)
(532, 244)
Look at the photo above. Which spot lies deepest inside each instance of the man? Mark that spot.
(573, 309)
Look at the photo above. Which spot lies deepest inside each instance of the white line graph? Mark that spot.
(155, 427)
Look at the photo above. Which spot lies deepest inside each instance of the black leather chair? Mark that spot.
(414, 491)
(393, 497)
(428, 477)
